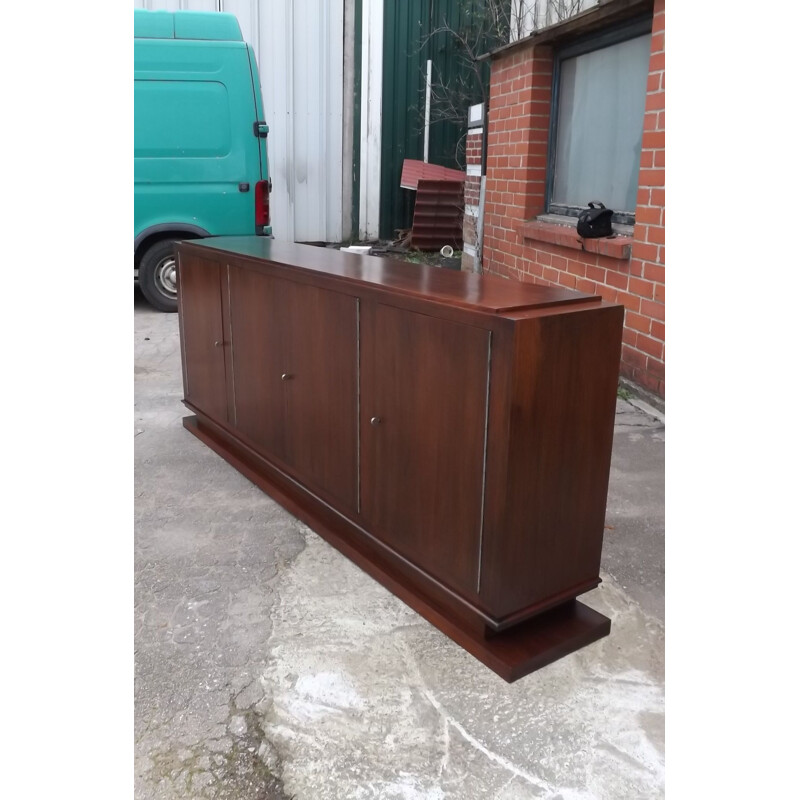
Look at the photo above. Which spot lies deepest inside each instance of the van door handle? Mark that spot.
(260, 129)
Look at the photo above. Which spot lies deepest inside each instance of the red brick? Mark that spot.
(659, 158)
(653, 140)
(542, 79)
(657, 329)
(637, 322)
(630, 301)
(655, 367)
(608, 293)
(650, 346)
(634, 357)
(657, 197)
(656, 62)
(657, 43)
(576, 267)
(654, 102)
(648, 215)
(550, 274)
(595, 273)
(653, 310)
(658, 295)
(655, 234)
(651, 383)
(646, 159)
(558, 262)
(625, 370)
(651, 177)
(642, 197)
(607, 262)
(617, 279)
(641, 288)
(629, 336)
(650, 122)
(647, 252)
(565, 279)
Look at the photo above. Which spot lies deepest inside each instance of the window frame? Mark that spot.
(631, 29)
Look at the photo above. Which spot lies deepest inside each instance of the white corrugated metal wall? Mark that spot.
(299, 49)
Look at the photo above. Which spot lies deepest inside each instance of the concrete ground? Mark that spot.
(268, 666)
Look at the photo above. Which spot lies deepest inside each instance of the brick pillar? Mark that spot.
(473, 209)
(643, 339)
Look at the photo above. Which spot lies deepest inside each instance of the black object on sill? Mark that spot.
(595, 222)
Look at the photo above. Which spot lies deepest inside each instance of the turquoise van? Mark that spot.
(200, 146)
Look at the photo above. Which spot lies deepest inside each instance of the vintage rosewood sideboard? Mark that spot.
(450, 433)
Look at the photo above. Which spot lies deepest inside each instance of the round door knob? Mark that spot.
(375, 421)
(286, 376)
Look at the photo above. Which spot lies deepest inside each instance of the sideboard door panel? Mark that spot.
(257, 311)
(321, 390)
(423, 433)
(202, 336)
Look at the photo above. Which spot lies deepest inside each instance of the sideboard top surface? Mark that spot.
(466, 289)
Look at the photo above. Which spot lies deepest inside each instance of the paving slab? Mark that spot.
(268, 666)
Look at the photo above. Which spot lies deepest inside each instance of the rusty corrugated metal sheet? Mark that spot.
(438, 215)
(414, 171)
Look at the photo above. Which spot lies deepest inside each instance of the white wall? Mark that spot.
(298, 46)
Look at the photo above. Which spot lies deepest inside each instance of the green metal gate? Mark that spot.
(407, 45)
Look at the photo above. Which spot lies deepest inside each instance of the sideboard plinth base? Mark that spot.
(512, 653)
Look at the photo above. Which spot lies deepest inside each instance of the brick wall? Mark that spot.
(629, 271)
(470, 257)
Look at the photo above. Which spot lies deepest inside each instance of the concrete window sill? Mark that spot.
(618, 246)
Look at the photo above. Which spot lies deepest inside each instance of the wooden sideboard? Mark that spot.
(450, 433)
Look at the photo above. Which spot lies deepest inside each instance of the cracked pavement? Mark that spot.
(268, 666)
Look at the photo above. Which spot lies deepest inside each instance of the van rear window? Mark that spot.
(181, 119)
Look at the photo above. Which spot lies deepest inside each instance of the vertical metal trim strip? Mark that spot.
(230, 340)
(358, 405)
(485, 450)
(183, 332)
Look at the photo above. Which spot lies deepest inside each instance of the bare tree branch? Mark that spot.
(489, 24)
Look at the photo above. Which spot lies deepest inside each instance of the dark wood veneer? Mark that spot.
(449, 433)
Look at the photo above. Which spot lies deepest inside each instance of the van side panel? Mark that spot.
(193, 135)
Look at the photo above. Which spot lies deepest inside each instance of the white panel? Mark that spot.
(165, 5)
(246, 11)
(371, 93)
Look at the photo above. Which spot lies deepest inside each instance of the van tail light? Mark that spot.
(262, 203)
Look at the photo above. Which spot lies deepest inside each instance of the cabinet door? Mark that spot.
(294, 362)
(200, 317)
(322, 390)
(257, 312)
(423, 433)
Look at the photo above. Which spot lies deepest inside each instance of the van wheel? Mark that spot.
(158, 276)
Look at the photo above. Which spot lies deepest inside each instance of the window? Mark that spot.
(599, 89)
